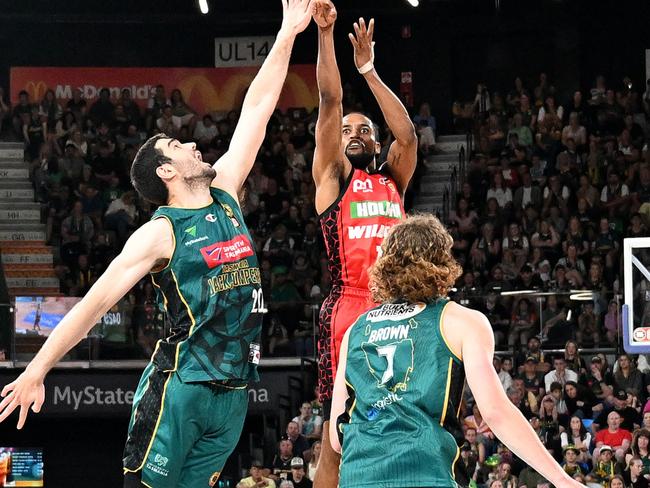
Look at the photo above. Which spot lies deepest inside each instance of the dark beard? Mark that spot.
(202, 179)
(360, 161)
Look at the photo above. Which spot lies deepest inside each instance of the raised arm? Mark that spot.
(260, 101)
(402, 155)
(149, 245)
(504, 419)
(329, 163)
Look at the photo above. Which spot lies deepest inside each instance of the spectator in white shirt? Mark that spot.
(559, 373)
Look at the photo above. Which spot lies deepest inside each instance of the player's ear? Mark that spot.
(166, 171)
(377, 148)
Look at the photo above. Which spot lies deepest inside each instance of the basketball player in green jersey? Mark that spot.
(190, 405)
(398, 389)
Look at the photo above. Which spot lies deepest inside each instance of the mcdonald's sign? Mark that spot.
(204, 89)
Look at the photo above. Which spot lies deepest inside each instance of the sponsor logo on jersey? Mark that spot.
(381, 404)
(211, 218)
(236, 275)
(191, 231)
(395, 312)
(230, 214)
(390, 333)
(158, 465)
(387, 182)
(214, 478)
(198, 239)
(160, 460)
(227, 252)
(368, 231)
(364, 210)
(362, 186)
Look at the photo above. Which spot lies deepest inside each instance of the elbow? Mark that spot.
(409, 137)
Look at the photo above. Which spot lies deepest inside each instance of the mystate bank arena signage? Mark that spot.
(110, 394)
(204, 89)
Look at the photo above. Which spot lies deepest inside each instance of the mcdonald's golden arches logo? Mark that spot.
(35, 89)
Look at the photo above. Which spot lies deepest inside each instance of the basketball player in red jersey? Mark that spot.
(357, 199)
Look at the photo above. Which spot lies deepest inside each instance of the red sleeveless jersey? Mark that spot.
(356, 224)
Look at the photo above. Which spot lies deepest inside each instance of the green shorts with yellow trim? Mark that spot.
(181, 434)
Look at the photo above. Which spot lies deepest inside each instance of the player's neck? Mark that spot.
(184, 197)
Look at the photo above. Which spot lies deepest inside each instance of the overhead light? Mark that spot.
(517, 292)
(568, 316)
(203, 5)
(413, 3)
(583, 296)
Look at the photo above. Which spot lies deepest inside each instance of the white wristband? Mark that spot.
(369, 66)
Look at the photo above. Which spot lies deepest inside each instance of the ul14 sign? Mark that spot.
(241, 51)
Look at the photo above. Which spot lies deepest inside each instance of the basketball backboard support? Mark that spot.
(636, 310)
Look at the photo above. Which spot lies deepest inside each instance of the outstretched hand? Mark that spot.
(324, 13)
(24, 392)
(296, 15)
(364, 47)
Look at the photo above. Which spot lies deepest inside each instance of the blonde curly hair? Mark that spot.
(416, 262)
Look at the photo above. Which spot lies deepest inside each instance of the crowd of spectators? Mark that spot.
(552, 188)
(80, 155)
(593, 418)
(550, 191)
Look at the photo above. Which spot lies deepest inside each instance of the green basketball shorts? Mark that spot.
(181, 434)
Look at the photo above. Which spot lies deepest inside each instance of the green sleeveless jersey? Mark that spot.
(211, 291)
(401, 424)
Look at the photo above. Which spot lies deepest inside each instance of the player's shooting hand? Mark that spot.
(25, 392)
(324, 14)
(296, 15)
(364, 47)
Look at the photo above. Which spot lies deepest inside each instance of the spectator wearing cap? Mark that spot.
(599, 379)
(578, 437)
(630, 418)
(533, 348)
(559, 373)
(532, 378)
(281, 464)
(619, 439)
(256, 478)
(298, 476)
(527, 279)
(570, 463)
(605, 468)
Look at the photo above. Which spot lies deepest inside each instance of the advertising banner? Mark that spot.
(110, 394)
(204, 89)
